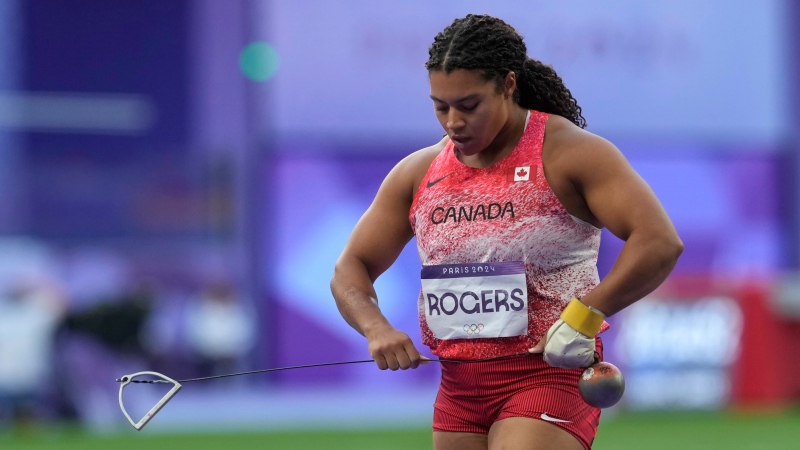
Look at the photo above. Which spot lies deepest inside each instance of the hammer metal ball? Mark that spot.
(601, 385)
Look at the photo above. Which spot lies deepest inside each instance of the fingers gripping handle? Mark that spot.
(127, 379)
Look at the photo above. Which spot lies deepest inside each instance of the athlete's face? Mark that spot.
(470, 109)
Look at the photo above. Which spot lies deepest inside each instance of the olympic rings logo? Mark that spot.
(472, 328)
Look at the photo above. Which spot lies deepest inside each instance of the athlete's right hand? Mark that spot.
(392, 349)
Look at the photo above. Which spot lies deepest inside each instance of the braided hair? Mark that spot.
(495, 48)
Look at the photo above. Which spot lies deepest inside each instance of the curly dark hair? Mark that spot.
(495, 48)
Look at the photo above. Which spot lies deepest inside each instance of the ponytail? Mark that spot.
(540, 88)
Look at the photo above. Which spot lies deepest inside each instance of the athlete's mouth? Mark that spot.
(460, 139)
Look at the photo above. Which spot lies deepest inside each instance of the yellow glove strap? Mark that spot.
(582, 318)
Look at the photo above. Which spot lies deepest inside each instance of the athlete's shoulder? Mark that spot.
(575, 158)
(412, 168)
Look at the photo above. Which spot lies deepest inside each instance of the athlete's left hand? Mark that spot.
(570, 342)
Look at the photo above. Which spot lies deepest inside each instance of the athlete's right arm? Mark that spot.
(374, 245)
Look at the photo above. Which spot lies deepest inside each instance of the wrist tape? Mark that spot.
(584, 319)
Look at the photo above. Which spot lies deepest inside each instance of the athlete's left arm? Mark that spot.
(621, 201)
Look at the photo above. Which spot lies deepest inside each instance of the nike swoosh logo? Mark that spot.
(431, 183)
(553, 419)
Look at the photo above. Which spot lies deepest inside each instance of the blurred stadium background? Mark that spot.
(177, 178)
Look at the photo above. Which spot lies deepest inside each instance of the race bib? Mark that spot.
(475, 300)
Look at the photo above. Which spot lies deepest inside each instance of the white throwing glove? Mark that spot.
(570, 341)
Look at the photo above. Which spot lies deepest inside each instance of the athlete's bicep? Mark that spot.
(384, 229)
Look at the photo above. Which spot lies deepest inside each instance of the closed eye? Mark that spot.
(468, 109)
(468, 103)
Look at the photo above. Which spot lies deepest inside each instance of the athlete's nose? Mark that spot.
(454, 120)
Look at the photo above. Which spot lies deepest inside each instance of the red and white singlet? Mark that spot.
(501, 256)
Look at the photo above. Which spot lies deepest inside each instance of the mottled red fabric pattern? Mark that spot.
(481, 215)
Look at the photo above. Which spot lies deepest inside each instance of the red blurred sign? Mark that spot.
(700, 342)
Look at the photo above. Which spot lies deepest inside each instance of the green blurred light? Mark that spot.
(259, 61)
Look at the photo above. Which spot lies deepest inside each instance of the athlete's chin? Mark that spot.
(466, 147)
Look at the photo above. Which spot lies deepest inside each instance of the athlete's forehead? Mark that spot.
(458, 86)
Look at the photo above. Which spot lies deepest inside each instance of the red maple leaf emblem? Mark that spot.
(521, 173)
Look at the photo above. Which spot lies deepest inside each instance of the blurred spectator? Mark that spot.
(116, 322)
(29, 315)
(219, 328)
(31, 305)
